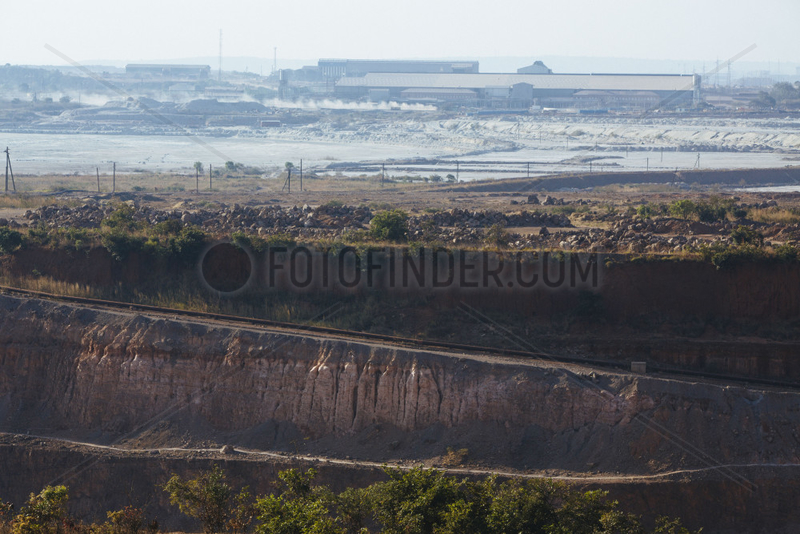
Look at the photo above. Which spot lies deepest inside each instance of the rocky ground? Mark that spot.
(530, 222)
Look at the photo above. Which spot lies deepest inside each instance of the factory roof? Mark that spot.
(606, 82)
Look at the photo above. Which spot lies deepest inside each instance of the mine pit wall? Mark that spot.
(105, 374)
(648, 296)
(97, 375)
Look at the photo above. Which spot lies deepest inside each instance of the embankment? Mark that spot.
(731, 177)
(738, 320)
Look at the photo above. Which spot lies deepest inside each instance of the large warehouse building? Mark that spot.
(337, 68)
(583, 91)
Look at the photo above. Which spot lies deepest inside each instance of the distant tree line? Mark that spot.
(784, 95)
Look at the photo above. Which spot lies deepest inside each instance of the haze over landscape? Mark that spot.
(93, 30)
(448, 267)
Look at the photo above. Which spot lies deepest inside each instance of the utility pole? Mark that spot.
(197, 179)
(209, 177)
(114, 178)
(662, 154)
(6, 151)
(219, 74)
(529, 169)
(9, 170)
(458, 169)
(98, 178)
(301, 175)
(383, 173)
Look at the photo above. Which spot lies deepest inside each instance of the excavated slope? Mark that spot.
(148, 381)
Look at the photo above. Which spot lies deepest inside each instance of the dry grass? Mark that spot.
(47, 284)
(25, 201)
(774, 215)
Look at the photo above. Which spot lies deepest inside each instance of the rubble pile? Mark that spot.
(485, 219)
(620, 232)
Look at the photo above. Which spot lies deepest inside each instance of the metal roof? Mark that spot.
(604, 82)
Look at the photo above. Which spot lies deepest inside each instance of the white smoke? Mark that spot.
(314, 105)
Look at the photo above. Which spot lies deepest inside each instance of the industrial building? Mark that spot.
(167, 72)
(339, 68)
(582, 91)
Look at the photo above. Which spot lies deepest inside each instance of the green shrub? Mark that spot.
(647, 211)
(122, 219)
(281, 239)
(682, 209)
(787, 252)
(168, 227)
(497, 235)
(744, 235)
(43, 513)
(391, 225)
(39, 235)
(10, 240)
(121, 244)
(206, 497)
(129, 520)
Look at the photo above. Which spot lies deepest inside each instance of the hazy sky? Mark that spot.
(166, 29)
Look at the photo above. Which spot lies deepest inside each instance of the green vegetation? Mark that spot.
(209, 499)
(391, 225)
(786, 94)
(10, 240)
(423, 501)
(744, 235)
(715, 209)
(415, 501)
(497, 235)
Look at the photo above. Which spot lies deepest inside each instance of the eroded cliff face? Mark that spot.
(107, 376)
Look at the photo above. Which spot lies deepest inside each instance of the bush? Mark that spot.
(43, 513)
(391, 225)
(247, 242)
(206, 498)
(168, 227)
(744, 235)
(298, 508)
(121, 244)
(787, 252)
(647, 211)
(122, 218)
(129, 520)
(189, 243)
(682, 209)
(10, 240)
(497, 235)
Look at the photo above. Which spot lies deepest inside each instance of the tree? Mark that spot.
(206, 497)
(65, 99)
(781, 92)
(391, 225)
(416, 501)
(198, 166)
(450, 178)
(44, 513)
(763, 100)
(300, 507)
(682, 209)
